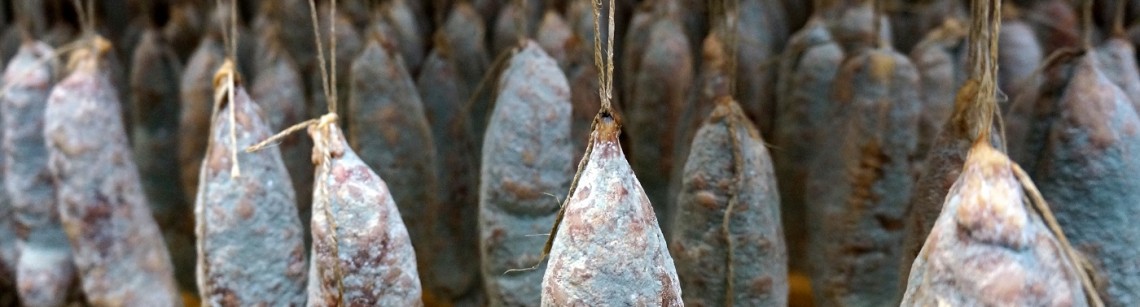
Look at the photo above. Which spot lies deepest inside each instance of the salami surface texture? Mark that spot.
(389, 129)
(728, 243)
(359, 240)
(582, 75)
(1078, 150)
(250, 246)
(609, 249)
(1117, 59)
(659, 92)
(466, 37)
(712, 82)
(761, 34)
(118, 249)
(808, 69)
(9, 247)
(1056, 24)
(860, 191)
(988, 248)
(526, 156)
(44, 269)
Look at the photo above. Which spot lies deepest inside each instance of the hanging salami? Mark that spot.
(606, 246)
(250, 247)
(859, 191)
(526, 155)
(728, 242)
(118, 249)
(45, 272)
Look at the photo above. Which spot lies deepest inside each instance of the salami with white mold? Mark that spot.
(250, 246)
(526, 155)
(388, 127)
(989, 249)
(608, 248)
(1079, 151)
(728, 242)
(45, 272)
(359, 239)
(118, 249)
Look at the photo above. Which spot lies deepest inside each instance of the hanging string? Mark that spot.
(983, 57)
(85, 12)
(233, 29)
(328, 88)
(730, 13)
(228, 73)
(1079, 263)
(321, 56)
(605, 66)
(1087, 22)
(79, 13)
(332, 53)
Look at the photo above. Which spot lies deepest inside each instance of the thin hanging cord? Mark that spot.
(332, 53)
(233, 29)
(320, 54)
(597, 6)
(79, 12)
(731, 15)
(986, 25)
(322, 143)
(610, 56)
(229, 43)
(605, 66)
(1080, 263)
(1087, 21)
(733, 199)
(327, 87)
